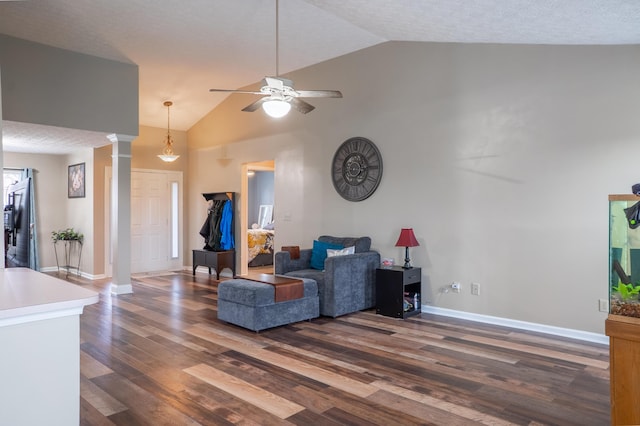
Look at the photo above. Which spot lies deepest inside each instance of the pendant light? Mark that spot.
(167, 153)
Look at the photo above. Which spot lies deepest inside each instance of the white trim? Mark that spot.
(108, 176)
(117, 137)
(41, 316)
(522, 325)
(82, 274)
(243, 249)
(94, 277)
(121, 289)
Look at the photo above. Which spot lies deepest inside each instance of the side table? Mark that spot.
(398, 291)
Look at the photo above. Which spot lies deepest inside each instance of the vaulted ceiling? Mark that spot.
(183, 48)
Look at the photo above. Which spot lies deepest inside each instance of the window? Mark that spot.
(10, 176)
(174, 219)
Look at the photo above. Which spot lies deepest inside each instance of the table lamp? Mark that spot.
(407, 239)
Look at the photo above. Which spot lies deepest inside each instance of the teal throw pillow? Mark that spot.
(319, 253)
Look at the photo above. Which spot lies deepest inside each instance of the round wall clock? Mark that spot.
(356, 169)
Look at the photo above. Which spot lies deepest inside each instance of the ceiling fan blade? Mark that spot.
(254, 106)
(236, 91)
(319, 93)
(301, 105)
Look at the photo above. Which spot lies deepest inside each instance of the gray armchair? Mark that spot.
(347, 283)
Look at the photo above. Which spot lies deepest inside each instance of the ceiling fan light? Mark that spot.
(276, 108)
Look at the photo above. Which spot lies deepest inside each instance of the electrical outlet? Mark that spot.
(475, 289)
(455, 287)
(603, 305)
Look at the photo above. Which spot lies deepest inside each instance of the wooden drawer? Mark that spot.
(413, 275)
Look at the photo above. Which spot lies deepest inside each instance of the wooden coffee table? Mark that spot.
(286, 288)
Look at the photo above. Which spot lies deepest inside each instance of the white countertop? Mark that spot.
(27, 295)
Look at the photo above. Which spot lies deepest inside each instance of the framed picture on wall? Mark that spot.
(75, 182)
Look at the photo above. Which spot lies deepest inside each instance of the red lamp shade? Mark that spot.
(407, 238)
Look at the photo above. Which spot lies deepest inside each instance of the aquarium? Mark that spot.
(624, 255)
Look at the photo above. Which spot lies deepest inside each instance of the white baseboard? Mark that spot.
(522, 325)
(94, 277)
(82, 274)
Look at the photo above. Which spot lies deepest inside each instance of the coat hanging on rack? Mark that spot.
(217, 229)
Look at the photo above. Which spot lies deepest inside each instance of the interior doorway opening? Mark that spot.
(257, 237)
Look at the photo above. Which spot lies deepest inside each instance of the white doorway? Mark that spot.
(247, 168)
(156, 221)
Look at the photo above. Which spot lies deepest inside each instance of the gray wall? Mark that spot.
(260, 188)
(46, 85)
(56, 87)
(500, 157)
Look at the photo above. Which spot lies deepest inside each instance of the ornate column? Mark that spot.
(121, 214)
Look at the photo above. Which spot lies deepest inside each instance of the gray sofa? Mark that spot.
(347, 283)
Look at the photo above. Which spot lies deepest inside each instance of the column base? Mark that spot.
(117, 289)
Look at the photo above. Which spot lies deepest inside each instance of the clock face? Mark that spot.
(356, 169)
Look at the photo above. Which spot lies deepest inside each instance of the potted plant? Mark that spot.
(625, 300)
(68, 234)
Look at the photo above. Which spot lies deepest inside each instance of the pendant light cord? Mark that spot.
(168, 104)
(168, 123)
(277, 40)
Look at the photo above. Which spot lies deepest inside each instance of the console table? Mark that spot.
(217, 260)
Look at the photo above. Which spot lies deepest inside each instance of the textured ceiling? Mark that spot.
(35, 138)
(183, 48)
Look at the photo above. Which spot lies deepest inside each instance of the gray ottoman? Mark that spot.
(250, 304)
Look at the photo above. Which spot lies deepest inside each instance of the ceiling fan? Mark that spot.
(278, 94)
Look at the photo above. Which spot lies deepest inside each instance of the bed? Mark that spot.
(260, 243)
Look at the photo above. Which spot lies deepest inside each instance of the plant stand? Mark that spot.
(70, 247)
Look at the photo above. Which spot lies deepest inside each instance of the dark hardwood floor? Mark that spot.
(161, 357)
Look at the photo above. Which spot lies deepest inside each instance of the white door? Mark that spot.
(156, 220)
(150, 207)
